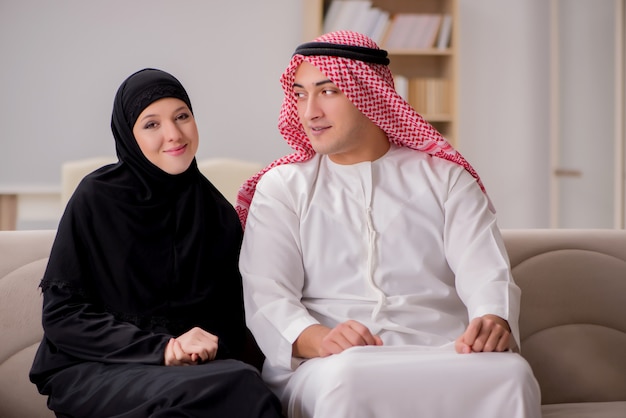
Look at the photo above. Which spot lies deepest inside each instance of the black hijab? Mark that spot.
(150, 248)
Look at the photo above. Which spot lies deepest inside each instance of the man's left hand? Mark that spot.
(484, 334)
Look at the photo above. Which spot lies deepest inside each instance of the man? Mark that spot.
(372, 262)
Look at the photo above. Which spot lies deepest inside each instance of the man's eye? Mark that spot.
(328, 92)
(299, 95)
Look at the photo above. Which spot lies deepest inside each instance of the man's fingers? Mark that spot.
(348, 334)
(472, 332)
(359, 334)
(486, 334)
(461, 347)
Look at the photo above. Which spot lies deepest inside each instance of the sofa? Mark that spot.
(573, 318)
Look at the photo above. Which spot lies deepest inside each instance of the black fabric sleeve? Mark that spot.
(73, 325)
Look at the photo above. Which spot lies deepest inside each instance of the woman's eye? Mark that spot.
(183, 116)
(150, 125)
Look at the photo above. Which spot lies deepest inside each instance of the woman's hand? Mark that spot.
(193, 347)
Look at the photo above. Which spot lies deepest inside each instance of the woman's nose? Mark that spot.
(171, 131)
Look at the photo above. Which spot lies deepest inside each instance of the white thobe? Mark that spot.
(405, 244)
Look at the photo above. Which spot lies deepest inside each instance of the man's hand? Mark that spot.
(486, 333)
(321, 341)
(193, 347)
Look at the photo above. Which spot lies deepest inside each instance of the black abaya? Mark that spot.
(142, 256)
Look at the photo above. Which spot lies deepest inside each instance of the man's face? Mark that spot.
(332, 123)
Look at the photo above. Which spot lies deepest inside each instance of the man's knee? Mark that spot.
(343, 374)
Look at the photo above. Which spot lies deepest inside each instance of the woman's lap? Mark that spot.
(219, 388)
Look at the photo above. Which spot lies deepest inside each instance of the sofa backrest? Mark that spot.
(572, 322)
(573, 311)
(23, 258)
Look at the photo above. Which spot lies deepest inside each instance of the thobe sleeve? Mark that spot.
(272, 269)
(475, 251)
(73, 325)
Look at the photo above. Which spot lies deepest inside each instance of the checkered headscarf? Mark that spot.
(369, 86)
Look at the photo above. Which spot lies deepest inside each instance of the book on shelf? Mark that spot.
(424, 32)
(356, 15)
(443, 39)
(330, 17)
(430, 96)
(398, 31)
(413, 31)
(347, 15)
(380, 27)
(401, 84)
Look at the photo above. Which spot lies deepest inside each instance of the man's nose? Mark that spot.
(312, 109)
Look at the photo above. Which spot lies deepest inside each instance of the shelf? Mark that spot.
(434, 63)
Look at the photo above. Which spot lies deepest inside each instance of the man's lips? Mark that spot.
(317, 130)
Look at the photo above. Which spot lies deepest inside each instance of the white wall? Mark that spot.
(504, 104)
(62, 62)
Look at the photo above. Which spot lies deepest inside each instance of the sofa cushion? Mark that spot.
(585, 410)
(23, 258)
(573, 318)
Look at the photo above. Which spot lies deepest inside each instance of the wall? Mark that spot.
(63, 60)
(504, 104)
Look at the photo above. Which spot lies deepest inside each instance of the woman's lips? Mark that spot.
(176, 151)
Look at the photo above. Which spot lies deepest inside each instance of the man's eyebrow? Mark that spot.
(319, 83)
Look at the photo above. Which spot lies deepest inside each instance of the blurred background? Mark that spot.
(540, 94)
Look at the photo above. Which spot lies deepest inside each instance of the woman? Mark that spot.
(143, 277)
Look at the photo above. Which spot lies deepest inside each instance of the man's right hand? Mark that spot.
(321, 341)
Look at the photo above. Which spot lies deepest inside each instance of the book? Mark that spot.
(443, 39)
(346, 15)
(430, 96)
(361, 14)
(413, 31)
(399, 31)
(425, 30)
(402, 86)
(370, 20)
(331, 15)
(431, 30)
(380, 27)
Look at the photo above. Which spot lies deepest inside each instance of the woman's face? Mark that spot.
(167, 134)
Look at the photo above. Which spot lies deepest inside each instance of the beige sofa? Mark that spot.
(573, 319)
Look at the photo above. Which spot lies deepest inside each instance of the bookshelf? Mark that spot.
(427, 76)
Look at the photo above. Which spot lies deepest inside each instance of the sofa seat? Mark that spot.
(572, 321)
(585, 410)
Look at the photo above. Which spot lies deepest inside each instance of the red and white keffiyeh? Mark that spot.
(370, 88)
